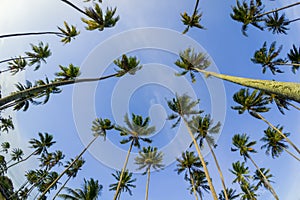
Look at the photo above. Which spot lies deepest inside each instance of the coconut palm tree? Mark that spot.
(49, 160)
(29, 92)
(242, 144)
(137, 130)
(203, 128)
(189, 163)
(16, 155)
(294, 57)
(200, 183)
(90, 190)
(231, 194)
(149, 158)
(2, 165)
(248, 192)
(256, 103)
(258, 177)
(6, 123)
(72, 172)
(183, 107)
(126, 183)
(274, 143)
(5, 147)
(45, 141)
(277, 24)
(99, 128)
(188, 58)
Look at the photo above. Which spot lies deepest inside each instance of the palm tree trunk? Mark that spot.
(278, 131)
(193, 184)
(147, 184)
(291, 154)
(278, 9)
(211, 187)
(294, 20)
(265, 179)
(38, 89)
(289, 90)
(75, 7)
(70, 165)
(60, 189)
(123, 170)
(33, 153)
(219, 169)
(16, 192)
(31, 33)
(287, 64)
(12, 59)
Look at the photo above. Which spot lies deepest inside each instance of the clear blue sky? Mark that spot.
(222, 40)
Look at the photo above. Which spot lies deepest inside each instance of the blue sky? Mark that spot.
(222, 40)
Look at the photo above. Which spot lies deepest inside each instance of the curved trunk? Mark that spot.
(265, 180)
(219, 169)
(38, 89)
(31, 33)
(147, 184)
(294, 20)
(211, 187)
(291, 154)
(288, 90)
(278, 9)
(70, 165)
(75, 7)
(60, 189)
(123, 170)
(193, 184)
(23, 160)
(278, 131)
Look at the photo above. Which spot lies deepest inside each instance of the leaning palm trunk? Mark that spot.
(38, 89)
(31, 33)
(123, 170)
(70, 165)
(291, 154)
(211, 187)
(147, 184)
(288, 90)
(278, 131)
(219, 169)
(269, 187)
(60, 189)
(193, 184)
(23, 160)
(278, 9)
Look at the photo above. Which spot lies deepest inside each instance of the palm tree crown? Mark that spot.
(149, 158)
(240, 141)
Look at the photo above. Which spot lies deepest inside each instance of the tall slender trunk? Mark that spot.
(270, 188)
(211, 187)
(289, 90)
(287, 64)
(123, 170)
(193, 184)
(147, 184)
(278, 9)
(38, 89)
(294, 20)
(70, 165)
(16, 192)
(31, 33)
(278, 131)
(12, 59)
(60, 189)
(291, 154)
(219, 169)
(75, 7)
(23, 160)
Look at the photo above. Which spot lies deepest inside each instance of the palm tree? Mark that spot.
(27, 93)
(231, 194)
(67, 73)
(255, 103)
(258, 177)
(202, 126)
(6, 123)
(72, 172)
(188, 164)
(49, 160)
(126, 183)
(149, 158)
(274, 142)
(294, 57)
(183, 107)
(5, 147)
(2, 165)
(248, 14)
(248, 192)
(16, 155)
(188, 58)
(192, 21)
(200, 182)
(99, 128)
(277, 24)
(136, 130)
(240, 141)
(45, 141)
(90, 190)
(67, 33)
